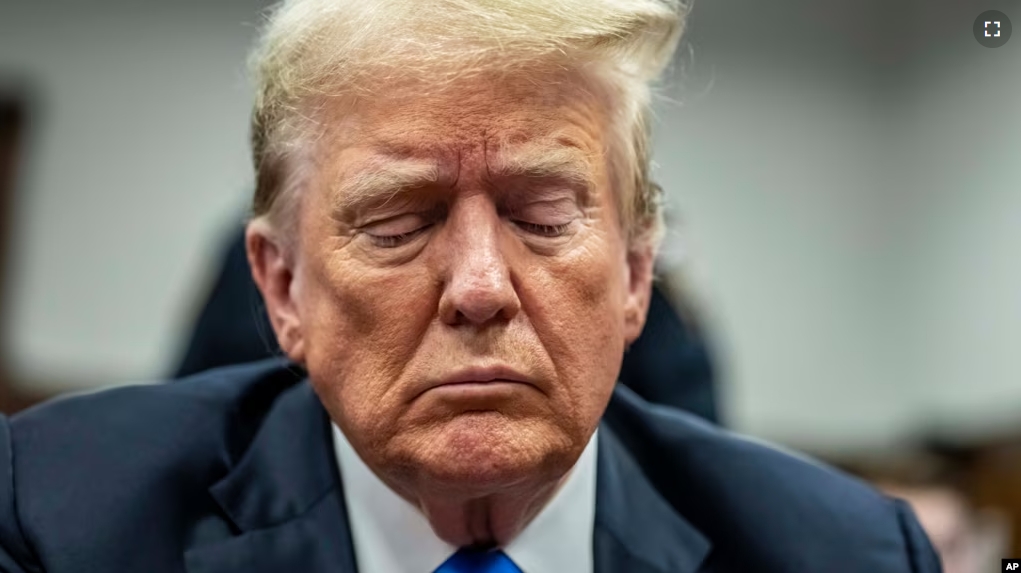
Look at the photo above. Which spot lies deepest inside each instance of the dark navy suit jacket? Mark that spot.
(233, 471)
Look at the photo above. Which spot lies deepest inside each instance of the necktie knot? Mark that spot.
(478, 561)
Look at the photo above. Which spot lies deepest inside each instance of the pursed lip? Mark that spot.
(480, 375)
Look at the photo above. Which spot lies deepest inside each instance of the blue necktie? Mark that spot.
(476, 561)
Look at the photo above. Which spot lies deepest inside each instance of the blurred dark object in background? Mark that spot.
(12, 125)
(232, 327)
(13, 117)
(966, 499)
(669, 363)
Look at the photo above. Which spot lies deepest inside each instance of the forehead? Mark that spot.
(483, 114)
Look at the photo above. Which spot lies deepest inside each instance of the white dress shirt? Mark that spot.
(392, 536)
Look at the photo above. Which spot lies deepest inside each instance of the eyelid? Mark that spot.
(562, 209)
(394, 241)
(397, 230)
(395, 225)
(545, 231)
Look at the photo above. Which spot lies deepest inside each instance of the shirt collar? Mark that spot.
(391, 535)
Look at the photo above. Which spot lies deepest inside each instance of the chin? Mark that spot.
(479, 453)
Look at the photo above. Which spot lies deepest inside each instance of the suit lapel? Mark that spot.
(283, 499)
(636, 529)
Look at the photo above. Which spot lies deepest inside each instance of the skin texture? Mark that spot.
(474, 228)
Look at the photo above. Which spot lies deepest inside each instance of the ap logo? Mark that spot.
(1011, 565)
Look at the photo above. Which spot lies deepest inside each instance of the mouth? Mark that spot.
(480, 380)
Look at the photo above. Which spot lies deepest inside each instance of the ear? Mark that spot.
(639, 291)
(273, 270)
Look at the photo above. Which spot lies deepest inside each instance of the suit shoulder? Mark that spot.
(125, 458)
(748, 492)
(148, 436)
(135, 410)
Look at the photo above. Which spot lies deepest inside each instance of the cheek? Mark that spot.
(577, 308)
(361, 328)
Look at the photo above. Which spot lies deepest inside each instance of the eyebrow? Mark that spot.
(545, 159)
(382, 181)
(384, 177)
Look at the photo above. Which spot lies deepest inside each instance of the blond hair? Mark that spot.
(312, 49)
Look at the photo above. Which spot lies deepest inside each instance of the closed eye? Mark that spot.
(543, 230)
(400, 230)
(396, 240)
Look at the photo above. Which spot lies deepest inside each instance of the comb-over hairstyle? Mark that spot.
(316, 49)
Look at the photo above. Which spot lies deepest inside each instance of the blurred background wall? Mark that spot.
(847, 175)
(844, 179)
(135, 165)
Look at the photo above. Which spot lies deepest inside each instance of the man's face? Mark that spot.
(461, 291)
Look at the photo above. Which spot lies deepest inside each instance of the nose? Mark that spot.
(478, 286)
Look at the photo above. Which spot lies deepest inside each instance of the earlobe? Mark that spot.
(273, 271)
(639, 291)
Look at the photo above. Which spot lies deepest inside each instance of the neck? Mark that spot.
(485, 520)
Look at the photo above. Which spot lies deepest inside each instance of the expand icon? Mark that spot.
(992, 28)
